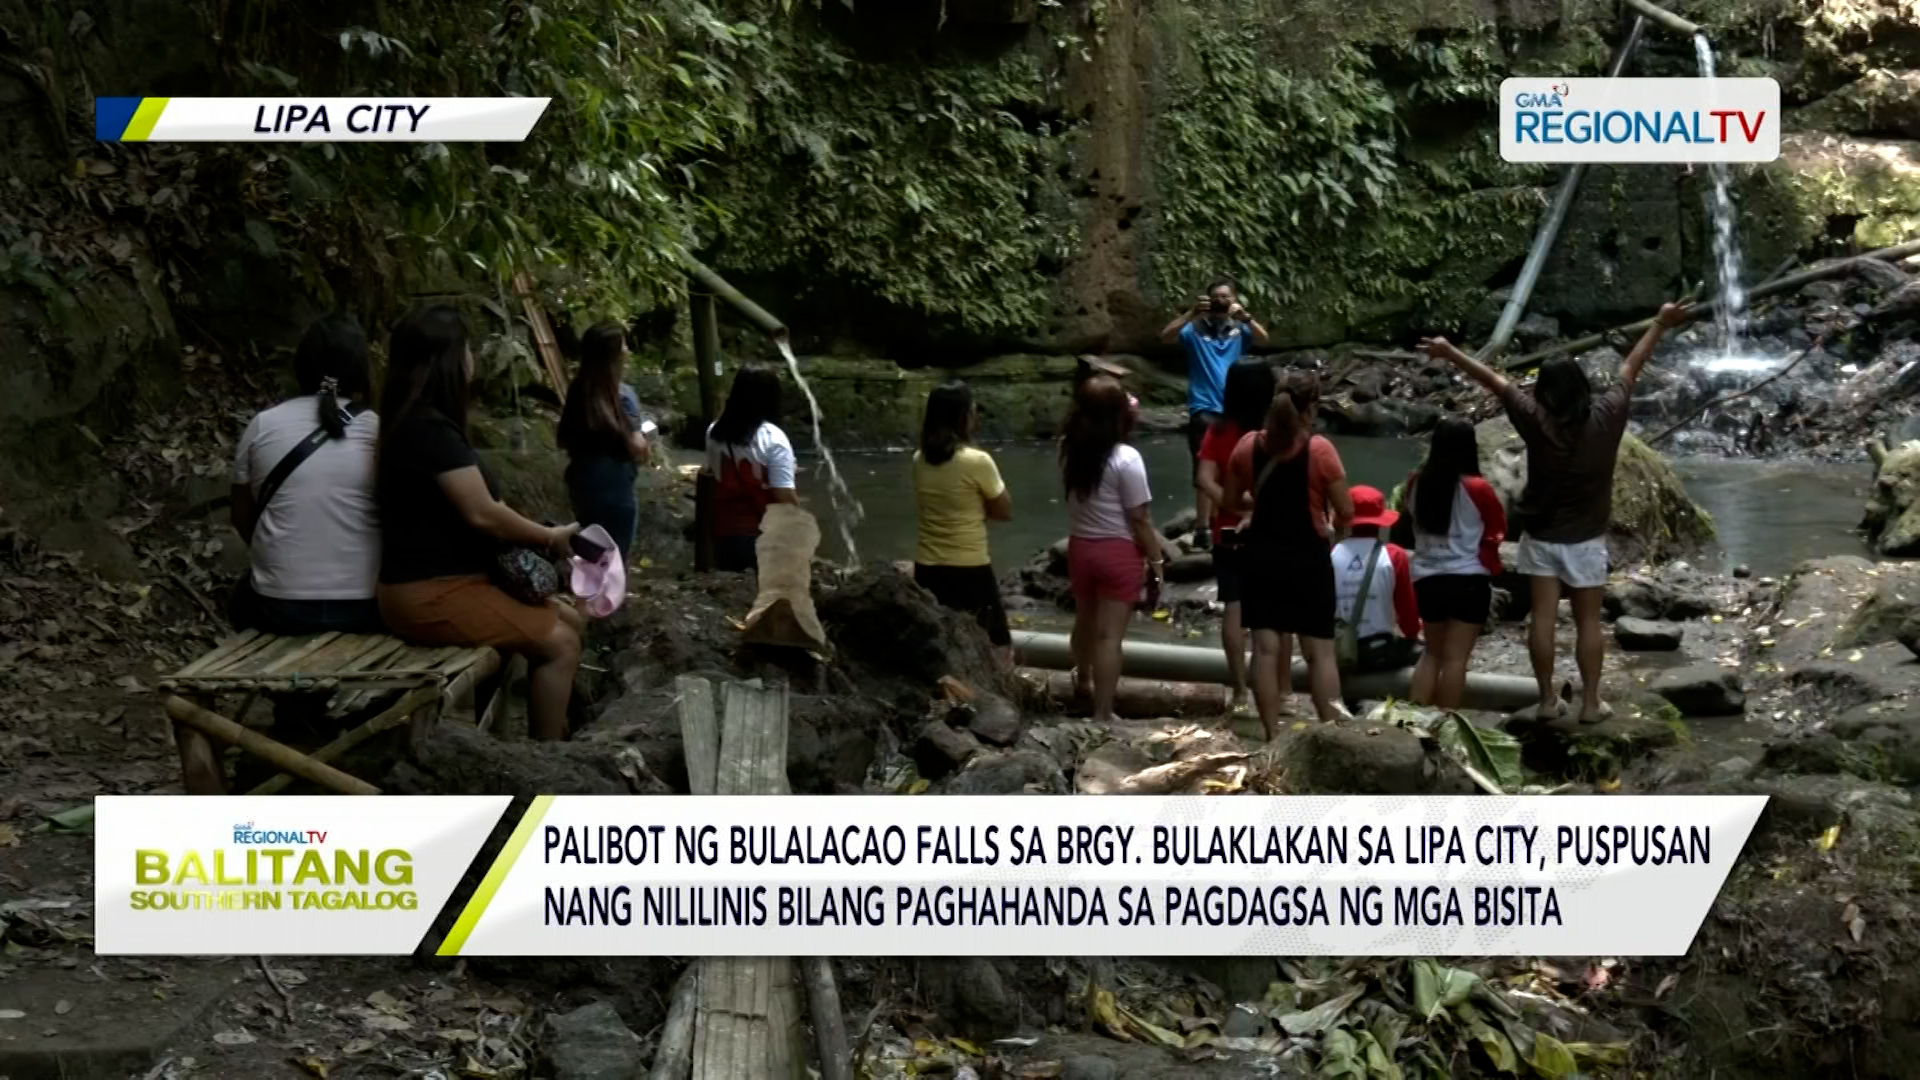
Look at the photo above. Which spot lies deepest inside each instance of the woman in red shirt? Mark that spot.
(1250, 388)
(1294, 489)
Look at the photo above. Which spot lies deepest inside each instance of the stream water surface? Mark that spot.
(1770, 516)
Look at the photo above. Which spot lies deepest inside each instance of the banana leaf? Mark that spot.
(1436, 988)
(1493, 754)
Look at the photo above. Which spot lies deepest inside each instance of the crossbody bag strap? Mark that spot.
(1366, 585)
(1259, 482)
(300, 453)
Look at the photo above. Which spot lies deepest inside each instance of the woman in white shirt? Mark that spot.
(314, 536)
(749, 466)
(1112, 550)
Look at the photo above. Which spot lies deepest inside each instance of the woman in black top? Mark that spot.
(443, 525)
(602, 441)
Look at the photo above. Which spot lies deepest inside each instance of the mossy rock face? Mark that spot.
(1893, 509)
(1653, 519)
(1883, 103)
(1818, 176)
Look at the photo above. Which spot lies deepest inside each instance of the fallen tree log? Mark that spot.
(1700, 311)
(1137, 699)
(1191, 663)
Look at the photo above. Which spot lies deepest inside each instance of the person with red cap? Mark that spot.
(1373, 584)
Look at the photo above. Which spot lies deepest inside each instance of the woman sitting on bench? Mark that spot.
(444, 525)
(303, 501)
(303, 495)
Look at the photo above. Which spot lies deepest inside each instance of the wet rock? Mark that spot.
(1814, 602)
(1089, 1067)
(1566, 747)
(1243, 1023)
(1011, 772)
(994, 719)
(1646, 635)
(1875, 673)
(1383, 418)
(1653, 519)
(1654, 600)
(1179, 524)
(943, 748)
(971, 994)
(1892, 520)
(1357, 759)
(593, 1043)
(1536, 330)
(1743, 572)
(1891, 612)
(1703, 690)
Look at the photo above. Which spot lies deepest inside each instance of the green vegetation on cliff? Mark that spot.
(1361, 188)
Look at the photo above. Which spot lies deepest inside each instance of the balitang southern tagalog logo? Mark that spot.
(272, 869)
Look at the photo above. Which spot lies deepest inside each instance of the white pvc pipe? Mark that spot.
(1194, 663)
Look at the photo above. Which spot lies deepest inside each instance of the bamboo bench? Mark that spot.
(356, 671)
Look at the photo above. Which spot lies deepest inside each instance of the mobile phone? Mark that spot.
(586, 548)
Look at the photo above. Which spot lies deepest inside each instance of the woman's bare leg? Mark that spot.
(550, 682)
(1267, 681)
(1589, 648)
(1233, 638)
(1540, 648)
(1459, 638)
(1110, 629)
(1323, 678)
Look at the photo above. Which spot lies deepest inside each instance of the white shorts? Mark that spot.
(1580, 566)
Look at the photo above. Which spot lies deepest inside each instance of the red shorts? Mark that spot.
(1105, 569)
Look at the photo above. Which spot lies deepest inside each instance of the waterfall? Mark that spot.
(1726, 246)
(847, 510)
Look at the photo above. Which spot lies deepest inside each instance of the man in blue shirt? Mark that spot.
(1215, 333)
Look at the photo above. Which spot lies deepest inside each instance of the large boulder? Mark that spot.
(1653, 519)
(1893, 509)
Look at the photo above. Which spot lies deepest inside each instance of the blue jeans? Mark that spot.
(602, 492)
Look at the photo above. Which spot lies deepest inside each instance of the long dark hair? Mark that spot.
(1303, 386)
(1454, 453)
(944, 429)
(1284, 425)
(1564, 394)
(1250, 387)
(426, 368)
(591, 419)
(753, 400)
(1098, 421)
(332, 362)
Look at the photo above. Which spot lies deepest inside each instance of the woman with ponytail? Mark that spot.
(1292, 487)
(303, 494)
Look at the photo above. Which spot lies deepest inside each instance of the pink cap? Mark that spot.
(601, 585)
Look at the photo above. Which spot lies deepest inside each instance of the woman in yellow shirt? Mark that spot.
(958, 489)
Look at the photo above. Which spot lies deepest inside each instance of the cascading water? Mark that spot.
(1726, 245)
(846, 509)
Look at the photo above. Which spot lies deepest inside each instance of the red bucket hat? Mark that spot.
(1370, 508)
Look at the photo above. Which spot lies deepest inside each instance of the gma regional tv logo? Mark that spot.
(1679, 121)
(273, 869)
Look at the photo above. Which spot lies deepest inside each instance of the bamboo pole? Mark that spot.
(285, 757)
(1664, 17)
(829, 1025)
(1700, 311)
(719, 287)
(674, 1059)
(387, 720)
